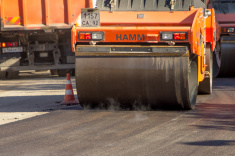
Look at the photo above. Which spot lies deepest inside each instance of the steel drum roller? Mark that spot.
(152, 80)
(225, 58)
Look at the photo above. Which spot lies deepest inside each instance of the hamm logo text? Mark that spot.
(130, 37)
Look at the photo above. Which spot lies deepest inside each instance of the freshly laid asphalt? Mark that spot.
(34, 123)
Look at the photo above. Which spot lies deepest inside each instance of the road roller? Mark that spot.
(224, 55)
(150, 52)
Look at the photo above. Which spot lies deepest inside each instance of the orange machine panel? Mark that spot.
(36, 14)
(211, 29)
(134, 34)
(149, 28)
(181, 18)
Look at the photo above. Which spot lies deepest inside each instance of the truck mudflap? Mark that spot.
(154, 76)
(224, 58)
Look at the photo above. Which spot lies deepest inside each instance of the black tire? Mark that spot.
(53, 72)
(63, 72)
(12, 75)
(73, 73)
(2, 75)
(205, 87)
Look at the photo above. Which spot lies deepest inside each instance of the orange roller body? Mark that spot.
(144, 52)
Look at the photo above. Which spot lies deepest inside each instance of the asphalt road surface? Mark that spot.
(34, 123)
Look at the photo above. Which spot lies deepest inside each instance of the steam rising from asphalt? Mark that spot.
(114, 105)
(139, 116)
(139, 106)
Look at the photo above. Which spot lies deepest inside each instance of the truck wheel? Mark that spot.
(2, 75)
(13, 74)
(54, 72)
(205, 87)
(63, 72)
(73, 73)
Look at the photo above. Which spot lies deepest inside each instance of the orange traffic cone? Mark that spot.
(69, 96)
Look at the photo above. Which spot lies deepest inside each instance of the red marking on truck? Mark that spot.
(12, 21)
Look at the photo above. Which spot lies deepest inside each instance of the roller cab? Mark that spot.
(224, 55)
(145, 52)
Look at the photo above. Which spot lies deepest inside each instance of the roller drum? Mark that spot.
(225, 58)
(148, 80)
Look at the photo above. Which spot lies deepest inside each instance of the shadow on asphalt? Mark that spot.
(220, 116)
(219, 109)
(38, 92)
(34, 104)
(211, 143)
(224, 84)
(49, 103)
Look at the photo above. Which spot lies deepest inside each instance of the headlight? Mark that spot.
(167, 36)
(230, 30)
(170, 36)
(96, 36)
